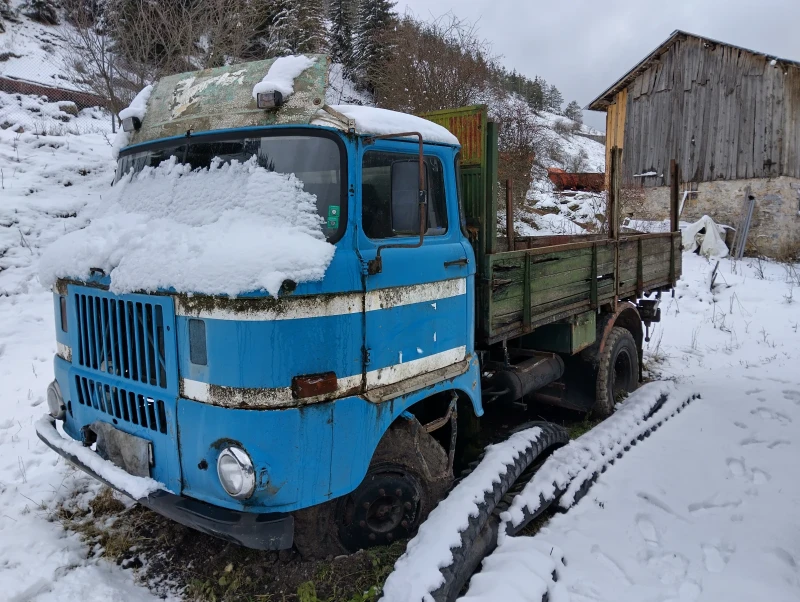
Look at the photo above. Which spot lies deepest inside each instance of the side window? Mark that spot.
(389, 186)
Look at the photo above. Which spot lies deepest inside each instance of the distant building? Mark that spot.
(730, 117)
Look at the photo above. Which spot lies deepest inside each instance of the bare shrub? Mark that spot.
(521, 135)
(563, 127)
(436, 65)
(134, 42)
(578, 163)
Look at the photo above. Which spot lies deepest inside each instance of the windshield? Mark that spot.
(315, 160)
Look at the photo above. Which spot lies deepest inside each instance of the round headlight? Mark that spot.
(235, 472)
(55, 401)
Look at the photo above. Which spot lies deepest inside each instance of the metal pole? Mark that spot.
(674, 183)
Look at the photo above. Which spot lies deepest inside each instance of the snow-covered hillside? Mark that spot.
(546, 211)
(32, 51)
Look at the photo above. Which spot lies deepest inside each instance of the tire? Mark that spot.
(407, 477)
(617, 371)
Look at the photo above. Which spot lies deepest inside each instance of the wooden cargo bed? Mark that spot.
(525, 289)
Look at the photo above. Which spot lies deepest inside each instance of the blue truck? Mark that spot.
(331, 417)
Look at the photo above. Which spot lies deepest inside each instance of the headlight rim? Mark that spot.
(56, 408)
(245, 463)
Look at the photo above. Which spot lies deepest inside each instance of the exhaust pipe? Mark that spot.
(509, 384)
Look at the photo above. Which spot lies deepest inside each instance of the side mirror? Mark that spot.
(375, 266)
(407, 198)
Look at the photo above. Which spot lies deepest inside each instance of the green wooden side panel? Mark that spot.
(222, 98)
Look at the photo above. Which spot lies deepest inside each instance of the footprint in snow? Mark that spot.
(740, 425)
(711, 504)
(736, 467)
(647, 529)
(716, 557)
(612, 564)
(792, 395)
(785, 557)
(768, 414)
(770, 444)
(753, 391)
(760, 476)
(671, 567)
(654, 501)
(778, 443)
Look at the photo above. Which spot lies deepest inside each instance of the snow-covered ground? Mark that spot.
(44, 180)
(705, 509)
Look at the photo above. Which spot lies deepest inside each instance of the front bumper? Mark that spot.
(272, 531)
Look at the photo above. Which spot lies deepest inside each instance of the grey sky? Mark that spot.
(583, 46)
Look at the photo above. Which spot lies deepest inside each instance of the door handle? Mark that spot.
(462, 261)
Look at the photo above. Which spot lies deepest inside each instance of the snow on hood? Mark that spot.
(377, 122)
(136, 109)
(229, 229)
(281, 75)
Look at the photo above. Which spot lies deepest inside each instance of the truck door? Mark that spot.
(418, 322)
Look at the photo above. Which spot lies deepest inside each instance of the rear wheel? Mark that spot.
(407, 477)
(617, 371)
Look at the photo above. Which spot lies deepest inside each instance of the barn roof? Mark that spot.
(606, 98)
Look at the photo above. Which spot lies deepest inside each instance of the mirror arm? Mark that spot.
(375, 266)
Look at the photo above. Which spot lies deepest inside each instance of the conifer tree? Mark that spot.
(553, 100)
(296, 27)
(340, 37)
(310, 36)
(574, 112)
(372, 47)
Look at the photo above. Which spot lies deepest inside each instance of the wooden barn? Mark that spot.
(730, 118)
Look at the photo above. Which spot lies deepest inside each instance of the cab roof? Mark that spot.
(222, 98)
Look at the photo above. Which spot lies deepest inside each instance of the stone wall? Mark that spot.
(775, 228)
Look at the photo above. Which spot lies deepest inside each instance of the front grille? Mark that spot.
(122, 404)
(121, 337)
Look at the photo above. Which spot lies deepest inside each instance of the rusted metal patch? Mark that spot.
(415, 383)
(263, 399)
(314, 385)
(268, 308)
(315, 306)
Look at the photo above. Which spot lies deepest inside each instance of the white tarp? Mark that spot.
(710, 242)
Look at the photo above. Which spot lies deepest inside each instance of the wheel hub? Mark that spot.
(384, 508)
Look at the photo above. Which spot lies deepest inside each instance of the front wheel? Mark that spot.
(617, 371)
(408, 475)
